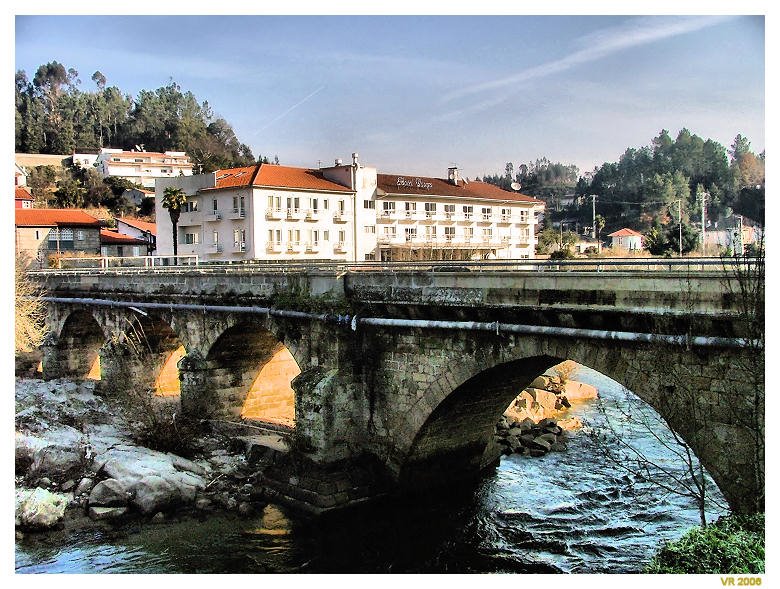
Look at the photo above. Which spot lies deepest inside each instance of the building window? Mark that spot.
(214, 205)
(342, 236)
(430, 232)
(191, 206)
(293, 203)
(410, 207)
(314, 205)
(506, 214)
(215, 237)
(487, 234)
(411, 233)
(369, 204)
(487, 213)
(523, 216)
(468, 232)
(390, 231)
(325, 204)
(80, 235)
(326, 235)
(468, 211)
(449, 233)
(37, 234)
(192, 238)
(371, 229)
(136, 250)
(449, 208)
(430, 209)
(341, 207)
(388, 207)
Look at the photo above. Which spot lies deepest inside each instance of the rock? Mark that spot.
(540, 443)
(202, 503)
(26, 448)
(558, 447)
(546, 421)
(57, 462)
(552, 429)
(527, 440)
(187, 465)
(231, 503)
(39, 508)
(100, 513)
(516, 431)
(19, 535)
(153, 493)
(514, 443)
(579, 391)
(570, 423)
(44, 482)
(109, 493)
(245, 508)
(85, 486)
(540, 382)
(536, 453)
(158, 517)
(68, 485)
(549, 438)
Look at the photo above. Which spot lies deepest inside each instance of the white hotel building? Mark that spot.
(345, 212)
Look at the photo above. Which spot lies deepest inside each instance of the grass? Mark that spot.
(732, 545)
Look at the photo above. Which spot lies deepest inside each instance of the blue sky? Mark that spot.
(415, 94)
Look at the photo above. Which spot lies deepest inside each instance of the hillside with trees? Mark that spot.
(648, 187)
(54, 114)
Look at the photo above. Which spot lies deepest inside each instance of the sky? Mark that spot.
(416, 94)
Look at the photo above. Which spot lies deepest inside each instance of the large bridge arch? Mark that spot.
(449, 425)
(250, 370)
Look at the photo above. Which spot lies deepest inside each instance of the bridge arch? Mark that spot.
(449, 428)
(250, 372)
(77, 346)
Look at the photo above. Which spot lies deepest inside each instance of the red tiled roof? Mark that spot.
(109, 236)
(418, 185)
(625, 232)
(276, 176)
(54, 218)
(138, 224)
(22, 193)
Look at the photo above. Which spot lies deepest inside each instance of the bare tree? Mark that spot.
(30, 311)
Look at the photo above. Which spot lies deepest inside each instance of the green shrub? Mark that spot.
(732, 545)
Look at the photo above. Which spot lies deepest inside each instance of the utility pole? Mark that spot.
(738, 246)
(703, 230)
(679, 214)
(593, 232)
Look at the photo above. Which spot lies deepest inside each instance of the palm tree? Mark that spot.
(173, 200)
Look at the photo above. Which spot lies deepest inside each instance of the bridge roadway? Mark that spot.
(408, 369)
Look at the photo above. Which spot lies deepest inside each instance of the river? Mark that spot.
(571, 512)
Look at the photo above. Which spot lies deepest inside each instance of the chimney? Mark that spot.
(338, 161)
(452, 175)
(355, 159)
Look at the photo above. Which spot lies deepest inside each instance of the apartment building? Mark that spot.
(421, 218)
(345, 212)
(138, 166)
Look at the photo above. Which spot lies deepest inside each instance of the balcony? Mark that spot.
(238, 214)
(409, 217)
(213, 216)
(312, 247)
(339, 248)
(449, 217)
(273, 247)
(386, 216)
(312, 215)
(505, 219)
(486, 218)
(273, 214)
(467, 218)
(523, 219)
(429, 217)
(293, 214)
(340, 217)
(214, 248)
(293, 247)
(239, 247)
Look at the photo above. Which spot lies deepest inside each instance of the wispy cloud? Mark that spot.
(633, 33)
(289, 110)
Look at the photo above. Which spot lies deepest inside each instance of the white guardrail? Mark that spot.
(186, 263)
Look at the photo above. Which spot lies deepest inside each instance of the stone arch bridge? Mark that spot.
(402, 376)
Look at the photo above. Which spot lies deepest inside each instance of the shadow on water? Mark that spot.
(563, 512)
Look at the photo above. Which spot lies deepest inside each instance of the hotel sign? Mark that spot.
(413, 183)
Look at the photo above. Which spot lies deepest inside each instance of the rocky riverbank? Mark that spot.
(535, 423)
(76, 461)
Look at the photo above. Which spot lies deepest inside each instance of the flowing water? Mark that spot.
(575, 511)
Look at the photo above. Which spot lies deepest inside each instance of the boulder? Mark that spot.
(84, 486)
(101, 513)
(536, 453)
(570, 423)
(26, 448)
(153, 493)
(39, 508)
(549, 438)
(540, 382)
(109, 493)
(540, 443)
(57, 462)
(579, 391)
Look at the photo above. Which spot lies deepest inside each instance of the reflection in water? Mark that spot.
(563, 512)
